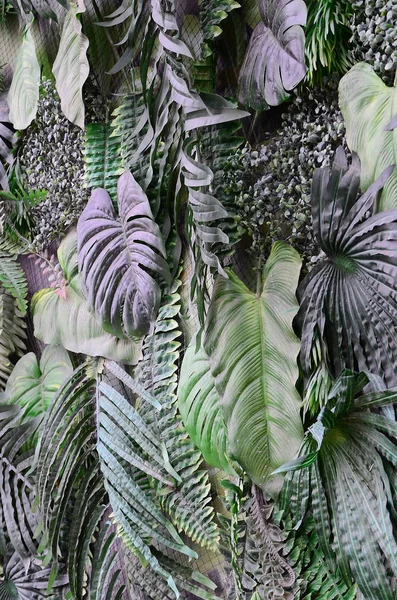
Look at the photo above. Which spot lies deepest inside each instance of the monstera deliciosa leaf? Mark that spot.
(118, 258)
(275, 60)
(71, 66)
(368, 106)
(23, 96)
(33, 384)
(61, 315)
(252, 352)
(199, 405)
(350, 298)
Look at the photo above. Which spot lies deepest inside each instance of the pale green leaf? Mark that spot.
(23, 96)
(253, 356)
(71, 67)
(33, 384)
(368, 106)
(199, 405)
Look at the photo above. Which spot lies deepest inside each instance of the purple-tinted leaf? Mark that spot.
(119, 257)
(275, 58)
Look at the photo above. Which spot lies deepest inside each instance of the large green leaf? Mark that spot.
(349, 297)
(71, 66)
(119, 257)
(252, 351)
(368, 106)
(23, 96)
(61, 316)
(199, 405)
(33, 384)
(275, 60)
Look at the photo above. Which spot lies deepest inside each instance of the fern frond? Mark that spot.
(64, 453)
(12, 277)
(131, 127)
(12, 335)
(101, 154)
(189, 503)
(153, 587)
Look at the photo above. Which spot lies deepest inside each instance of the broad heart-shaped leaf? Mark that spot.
(118, 256)
(253, 353)
(33, 384)
(62, 317)
(199, 405)
(71, 66)
(350, 298)
(23, 96)
(275, 58)
(368, 106)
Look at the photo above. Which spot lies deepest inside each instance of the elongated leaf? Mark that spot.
(199, 405)
(349, 298)
(368, 106)
(275, 60)
(23, 96)
(117, 257)
(252, 352)
(71, 66)
(61, 316)
(33, 384)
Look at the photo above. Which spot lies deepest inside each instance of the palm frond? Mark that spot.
(16, 487)
(19, 584)
(64, 453)
(12, 335)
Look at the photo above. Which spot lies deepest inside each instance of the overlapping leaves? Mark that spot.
(346, 475)
(61, 315)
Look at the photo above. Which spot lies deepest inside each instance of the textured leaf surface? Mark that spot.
(71, 66)
(23, 96)
(33, 384)
(199, 405)
(62, 317)
(275, 58)
(368, 106)
(252, 351)
(118, 258)
(349, 298)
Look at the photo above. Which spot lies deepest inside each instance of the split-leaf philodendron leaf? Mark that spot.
(252, 352)
(275, 60)
(368, 106)
(71, 66)
(62, 317)
(119, 255)
(23, 96)
(350, 297)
